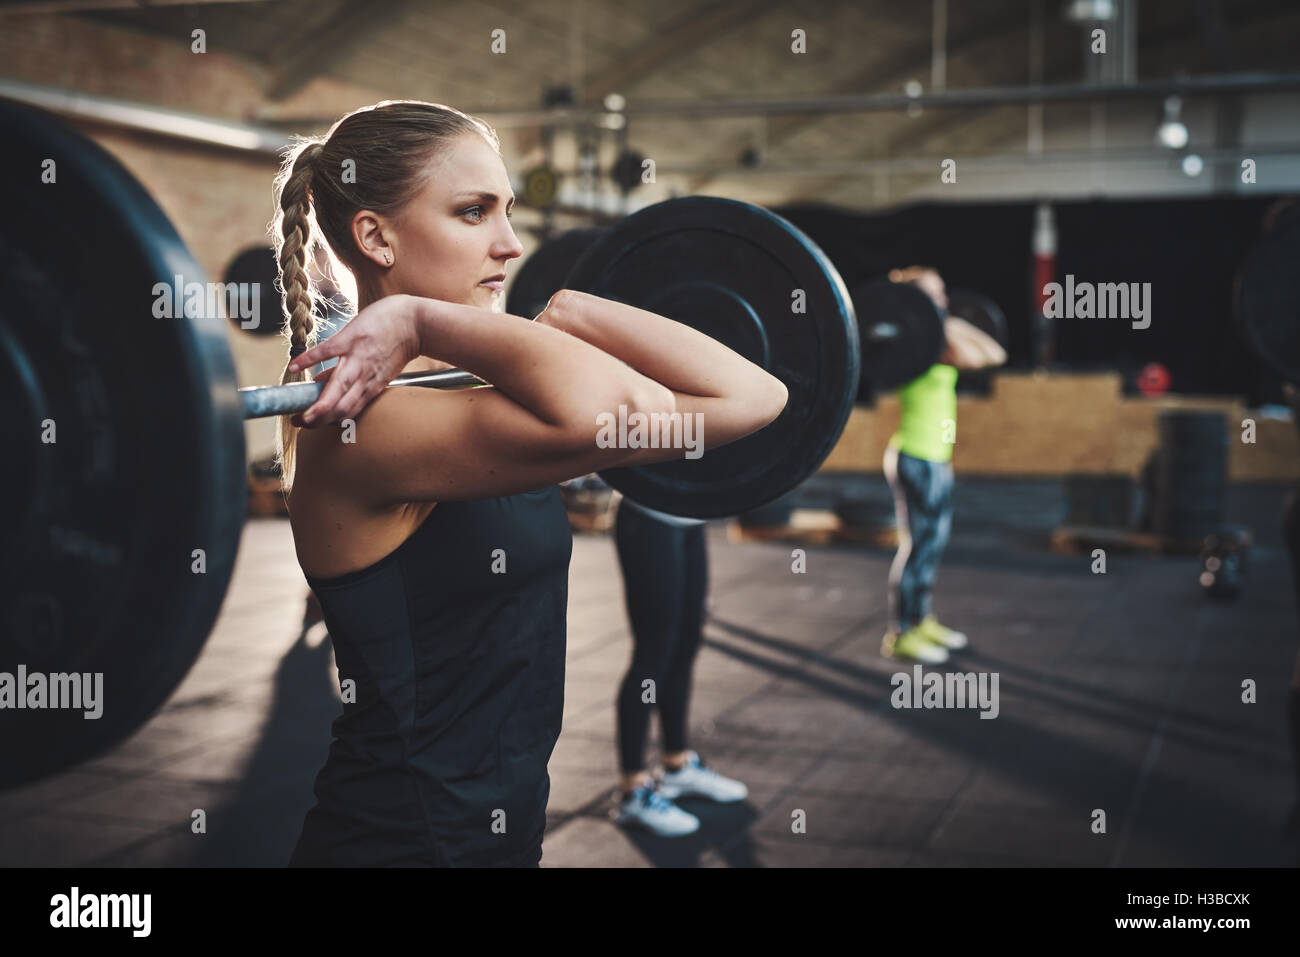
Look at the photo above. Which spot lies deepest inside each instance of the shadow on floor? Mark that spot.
(259, 823)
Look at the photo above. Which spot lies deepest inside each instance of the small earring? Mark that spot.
(388, 258)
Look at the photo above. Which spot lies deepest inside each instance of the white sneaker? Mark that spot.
(647, 808)
(695, 779)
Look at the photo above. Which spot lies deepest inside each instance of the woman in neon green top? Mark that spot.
(918, 465)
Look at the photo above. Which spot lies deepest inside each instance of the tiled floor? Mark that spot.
(1119, 696)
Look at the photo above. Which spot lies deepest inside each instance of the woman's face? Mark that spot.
(455, 234)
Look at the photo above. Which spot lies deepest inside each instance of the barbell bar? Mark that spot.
(261, 401)
(879, 337)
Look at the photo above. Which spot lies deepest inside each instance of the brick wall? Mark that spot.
(219, 200)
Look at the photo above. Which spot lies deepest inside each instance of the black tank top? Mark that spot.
(456, 643)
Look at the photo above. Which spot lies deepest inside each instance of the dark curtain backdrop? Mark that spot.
(1188, 249)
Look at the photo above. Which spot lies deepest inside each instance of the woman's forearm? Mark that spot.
(681, 358)
(558, 377)
(969, 348)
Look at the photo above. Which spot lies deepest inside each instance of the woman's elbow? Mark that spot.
(775, 397)
(621, 409)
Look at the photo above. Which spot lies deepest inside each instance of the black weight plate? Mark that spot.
(627, 170)
(543, 273)
(980, 311)
(256, 271)
(729, 269)
(1268, 299)
(26, 476)
(148, 462)
(901, 330)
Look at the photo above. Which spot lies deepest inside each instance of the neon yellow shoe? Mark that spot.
(914, 644)
(942, 634)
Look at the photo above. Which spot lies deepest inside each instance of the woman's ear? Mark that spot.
(370, 239)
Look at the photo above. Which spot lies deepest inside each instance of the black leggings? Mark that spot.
(665, 581)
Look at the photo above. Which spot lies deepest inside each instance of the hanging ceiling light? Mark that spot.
(1172, 132)
(1088, 11)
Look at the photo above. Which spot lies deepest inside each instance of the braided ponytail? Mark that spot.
(294, 239)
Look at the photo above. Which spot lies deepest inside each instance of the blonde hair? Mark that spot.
(387, 148)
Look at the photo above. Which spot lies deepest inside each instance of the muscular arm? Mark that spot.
(735, 396)
(560, 379)
(969, 348)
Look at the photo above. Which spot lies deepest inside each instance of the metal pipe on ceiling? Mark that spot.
(794, 166)
(151, 119)
(862, 102)
(269, 140)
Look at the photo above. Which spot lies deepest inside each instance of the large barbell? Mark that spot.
(748, 279)
(127, 483)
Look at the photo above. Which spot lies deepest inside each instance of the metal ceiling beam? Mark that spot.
(813, 166)
(697, 29)
(677, 40)
(1162, 50)
(974, 96)
(270, 140)
(353, 24)
(901, 66)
